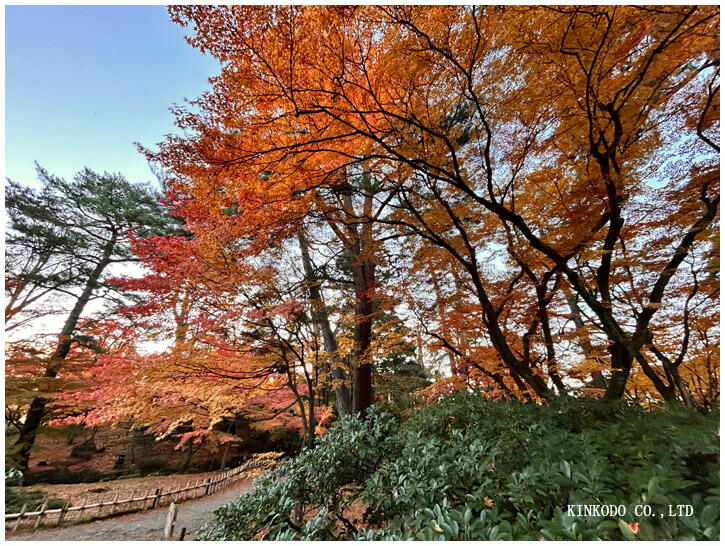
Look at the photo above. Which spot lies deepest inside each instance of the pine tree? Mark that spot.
(70, 232)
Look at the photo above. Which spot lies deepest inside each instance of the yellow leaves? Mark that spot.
(324, 419)
(585, 367)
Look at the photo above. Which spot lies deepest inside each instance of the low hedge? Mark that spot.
(15, 499)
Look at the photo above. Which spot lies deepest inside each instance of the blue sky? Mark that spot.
(83, 83)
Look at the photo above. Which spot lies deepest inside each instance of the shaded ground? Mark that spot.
(144, 525)
(52, 451)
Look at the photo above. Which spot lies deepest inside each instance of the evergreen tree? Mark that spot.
(61, 240)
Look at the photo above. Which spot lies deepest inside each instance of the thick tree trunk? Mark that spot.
(360, 247)
(29, 430)
(362, 373)
(364, 285)
(342, 391)
(621, 362)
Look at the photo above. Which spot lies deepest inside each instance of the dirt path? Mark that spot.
(144, 525)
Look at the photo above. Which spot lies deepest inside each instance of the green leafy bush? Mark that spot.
(326, 477)
(470, 469)
(33, 500)
(14, 501)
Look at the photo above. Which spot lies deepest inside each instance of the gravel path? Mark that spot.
(144, 525)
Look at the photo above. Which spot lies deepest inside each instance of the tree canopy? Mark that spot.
(390, 204)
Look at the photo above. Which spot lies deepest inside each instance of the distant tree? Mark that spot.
(62, 238)
(398, 376)
(241, 346)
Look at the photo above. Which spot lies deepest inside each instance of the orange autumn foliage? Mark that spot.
(527, 200)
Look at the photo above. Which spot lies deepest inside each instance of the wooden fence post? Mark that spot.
(208, 485)
(115, 500)
(170, 519)
(42, 512)
(100, 506)
(63, 511)
(130, 500)
(156, 498)
(20, 517)
(83, 507)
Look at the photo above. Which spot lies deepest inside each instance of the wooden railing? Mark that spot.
(117, 506)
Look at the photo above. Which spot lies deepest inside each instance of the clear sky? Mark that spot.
(83, 83)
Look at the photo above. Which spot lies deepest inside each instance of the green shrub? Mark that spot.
(326, 477)
(470, 469)
(62, 475)
(15, 499)
(54, 503)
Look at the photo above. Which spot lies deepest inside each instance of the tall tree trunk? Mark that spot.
(362, 397)
(363, 274)
(225, 454)
(342, 391)
(189, 454)
(360, 247)
(445, 328)
(29, 430)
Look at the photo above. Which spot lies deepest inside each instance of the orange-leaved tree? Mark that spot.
(582, 139)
